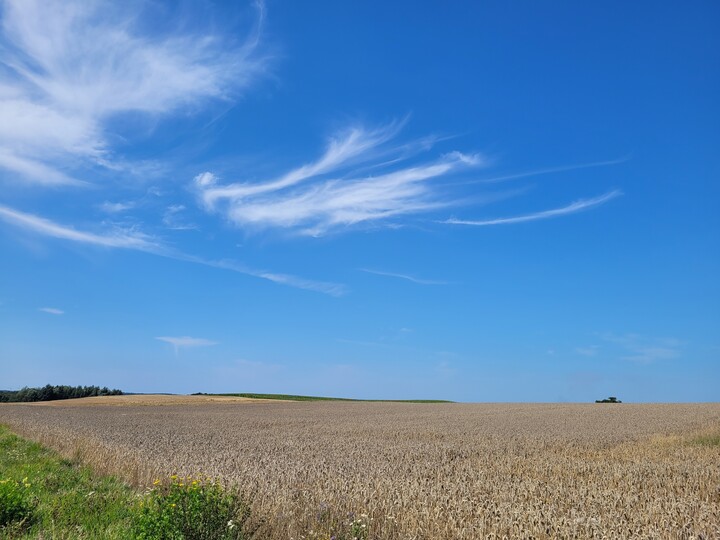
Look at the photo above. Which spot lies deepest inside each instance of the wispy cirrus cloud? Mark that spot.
(186, 341)
(73, 73)
(551, 170)
(172, 219)
(644, 349)
(117, 207)
(136, 240)
(52, 310)
(332, 289)
(69, 67)
(354, 144)
(336, 191)
(316, 198)
(406, 277)
(119, 238)
(31, 168)
(577, 206)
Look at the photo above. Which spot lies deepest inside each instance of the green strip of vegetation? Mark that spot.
(707, 440)
(45, 496)
(290, 397)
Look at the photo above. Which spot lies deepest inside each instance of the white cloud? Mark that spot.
(70, 66)
(332, 289)
(205, 179)
(577, 206)
(336, 191)
(550, 170)
(117, 207)
(51, 310)
(650, 354)
(306, 201)
(406, 277)
(186, 341)
(644, 349)
(35, 170)
(70, 69)
(172, 219)
(120, 238)
(341, 149)
(132, 239)
(331, 193)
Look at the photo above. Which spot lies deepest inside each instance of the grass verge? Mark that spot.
(58, 498)
(43, 495)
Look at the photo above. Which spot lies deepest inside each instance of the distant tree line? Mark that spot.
(50, 392)
(611, 399)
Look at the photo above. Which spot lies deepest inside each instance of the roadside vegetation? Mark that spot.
(45, 496)
(42, 495)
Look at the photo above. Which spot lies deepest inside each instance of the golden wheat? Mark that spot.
(419, 471)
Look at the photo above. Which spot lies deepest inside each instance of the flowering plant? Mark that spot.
(186, 508)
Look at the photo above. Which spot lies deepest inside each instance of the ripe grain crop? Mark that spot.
(419, 471)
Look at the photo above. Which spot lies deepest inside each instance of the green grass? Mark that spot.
(43, 495)
(707, 440)
(290, 397)
(66, 500)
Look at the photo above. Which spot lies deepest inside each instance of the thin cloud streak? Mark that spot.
(550, 170)
(186, 341)
(119, 239)
(128, 239)
(332, 289)
(406, 277)
(577, 206)
(645, 349)
(592, 350)
(172, 219)
(51, 310)
(117, 207)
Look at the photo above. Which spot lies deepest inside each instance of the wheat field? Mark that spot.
(417, 471)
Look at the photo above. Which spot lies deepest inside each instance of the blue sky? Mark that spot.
(488, 202)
